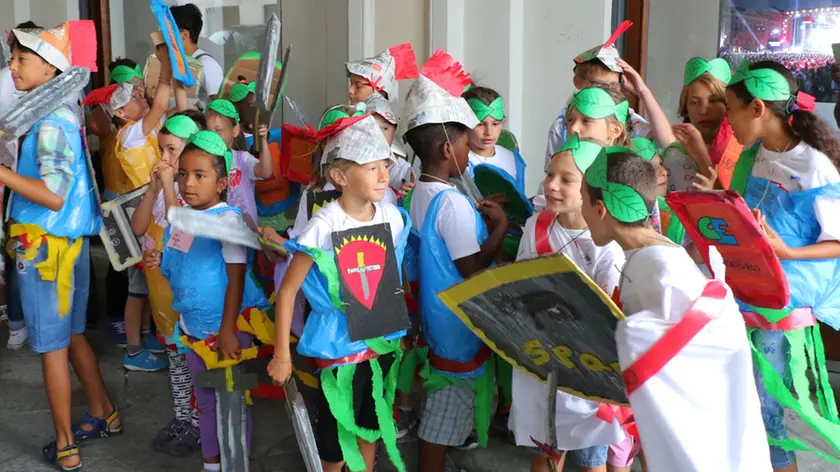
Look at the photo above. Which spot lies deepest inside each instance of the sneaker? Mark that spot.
(406, 420)
(185, 443)
(116, 331)
(470, 444)
(167, 434)
(152, 344)
(4, 315)
(17, 339)
(144, 361)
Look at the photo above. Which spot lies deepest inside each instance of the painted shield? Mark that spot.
(370, 282)
(543, 315)
(723, 219)
(490, 179)
(317, 200)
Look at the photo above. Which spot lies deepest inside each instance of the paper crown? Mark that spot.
(384, 70)
(378, 105)
(69, 44)
(240, 90)
(436, 96)
(111, 98)
(717, 68)
(361, 142)
(606, 53)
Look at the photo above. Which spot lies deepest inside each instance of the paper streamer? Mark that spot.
(297, 111)
(172, 35)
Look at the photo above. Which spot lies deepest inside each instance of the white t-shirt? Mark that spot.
(803, 168)
(133, 136)
(576, 418)
(213, 73)
(302, 216)
(503, 159)
(318, 232)
(455, 219)
(704, 399)
(233, 253)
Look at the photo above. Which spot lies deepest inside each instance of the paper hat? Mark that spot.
(377, 105)
(385, 69)
(69, 44)
(213, 144)
(225, 108)
(624, 203)
(584, 152)
(123, 73)
(362, 143)
(645, 148)
(717, 68)
(772, 86)
(240, 90)
(436, 96)
(110, 98)
(606, 53)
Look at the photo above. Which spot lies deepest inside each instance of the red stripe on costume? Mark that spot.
(797, 319)
(455, 367)
(541, 229)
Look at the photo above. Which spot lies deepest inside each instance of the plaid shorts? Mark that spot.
(448, 416)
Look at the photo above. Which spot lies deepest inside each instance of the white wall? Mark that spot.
(46, 13)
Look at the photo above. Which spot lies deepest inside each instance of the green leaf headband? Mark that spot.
(225, 108)
(624, 203)
(123, 74)
(596, 103)
(645, 148)
(496, 109)
(764, 84)
(583, 152)
(213, 144)
(337, 112)
(181, 126)
(717, 68)
(239, 91)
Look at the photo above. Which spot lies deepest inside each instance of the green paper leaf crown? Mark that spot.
(240, 90)
(181, 126)
(337, 112)
(583, 152)
(123, 74)
(224, 107)
(213, 144)
(624, 203)
(717, 68)
(764, 84)
(644, 148)
(597, 103)
(482, 110)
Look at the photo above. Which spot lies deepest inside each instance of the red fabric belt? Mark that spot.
(447, 365)
(798, 318)
(673, 341)
(365, 355)
(544, 221)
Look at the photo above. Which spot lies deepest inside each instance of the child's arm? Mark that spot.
(161, 101)
(691, 139)
(820, 250)
(471, 264)
(181, 101)
(659, 123)
(264, 170)
(142, 217)
(167, 182)
(280, 368)
(35, 190)
(226, 342)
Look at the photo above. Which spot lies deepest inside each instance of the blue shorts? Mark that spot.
(776, 349)
(48, 331)
(594, 456)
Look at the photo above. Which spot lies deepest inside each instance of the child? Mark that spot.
(137, 152)
(791, 181)
(53, 212)
(381, 74)
(701, 398)
(223, 118)
(402, 175)
(355, 404)
(488, 107)
(190, 22)
(454, 244)
(208, 277)
(180, 437)
(562, 227)
(667, 223)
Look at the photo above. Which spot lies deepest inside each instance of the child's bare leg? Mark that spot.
(539, 463)
(133, 320)
(56, 371)
(368, 451)
(87, 370)
(432, 457)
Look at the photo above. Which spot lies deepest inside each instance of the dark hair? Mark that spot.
(631, 170)
(583, 69)
(188, 17)
(124, 61)
(806, 125)
(194, 115)
(218, 163)
(485, 94)
(428, 140)
(12, 40)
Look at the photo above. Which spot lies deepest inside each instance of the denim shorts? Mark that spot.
(776, 349)
(593, 456)
(48, 331)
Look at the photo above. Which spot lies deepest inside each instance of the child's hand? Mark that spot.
(632, 80)
(270, 235)
(167, 175)
(154, 180)
(227, 345)
(775, 240)
(279, 370)
(262, 130)
(499, 197)
(151, 259)
(691, 139)
(706, 183)
(493, 211)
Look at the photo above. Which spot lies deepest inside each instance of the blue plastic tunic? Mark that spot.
(445, 334)
(79, 215)
(813, 283)
(325, 335)
(199, 282)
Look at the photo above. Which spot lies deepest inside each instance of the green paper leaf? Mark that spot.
(694, 68)
(767, 84)
(594, 103)
(596, 175)
(721, 70)
(624, 203)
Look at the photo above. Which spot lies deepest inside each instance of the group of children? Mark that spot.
(601, 204)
